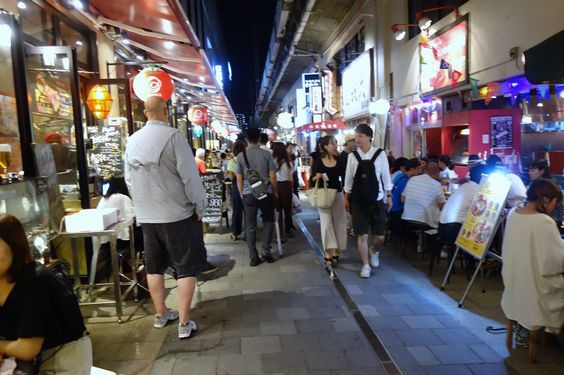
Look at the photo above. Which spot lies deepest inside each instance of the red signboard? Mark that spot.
(443, 59)
(323, 125)
(153, 82)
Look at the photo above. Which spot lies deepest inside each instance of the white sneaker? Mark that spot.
(375, 259)
(365, 271)
(444, 254)
(185, 330)
(162, 320)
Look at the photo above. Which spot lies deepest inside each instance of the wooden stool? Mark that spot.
(532, 340)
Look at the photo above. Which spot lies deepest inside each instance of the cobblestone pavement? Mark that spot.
(288, 317)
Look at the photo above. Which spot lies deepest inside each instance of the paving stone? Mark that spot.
(293, 268)
(454, 354)
(239, 329)
(448, 321)
(423, 355)
(422, 321)
(287, 363)
(238, 364)
(389, 337)
(163, 366)
(486, 353)
(362, 358)
(492, 369)
(361, 371)
(457, 336)
(393, 310)
(413, 370)
(223, 345)
(334, 311)
(399, 298)
(447, 370)
(300, 343)
(368, 310)
(325, 361)
(354, 289)
(203, 365)
(387, 322)
(278, 328)
(260, 344)
(417, 337)
(314, 325)
(345, 324)
(426, 309)
(342, 340)
(402, 356)
(292, 313)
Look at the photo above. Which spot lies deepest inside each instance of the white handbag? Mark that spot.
(321, 198)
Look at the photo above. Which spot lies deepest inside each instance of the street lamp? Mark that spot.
(425, 22)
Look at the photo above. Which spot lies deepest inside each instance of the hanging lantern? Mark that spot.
(99, 102)
(198, 115)
(153, 81)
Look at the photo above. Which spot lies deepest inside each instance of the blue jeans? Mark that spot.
(237, 217)
(266, 206)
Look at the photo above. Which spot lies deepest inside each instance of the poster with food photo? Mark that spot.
(480, 223)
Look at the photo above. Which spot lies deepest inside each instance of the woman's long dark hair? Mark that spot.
(541, 165)
(238, 147)
(324, 141)
(13, 233)
(541, 189)
(446, 159)
(117, 186)
(280, 154)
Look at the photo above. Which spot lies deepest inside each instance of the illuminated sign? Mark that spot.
(218, 69)
(443, 59)
(323, 125)
(316, 99)
(309, 80)
(358, 86)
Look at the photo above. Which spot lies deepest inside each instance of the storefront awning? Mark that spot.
(323, 125)
(161, 29)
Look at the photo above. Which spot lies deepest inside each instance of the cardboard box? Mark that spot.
(91, 220)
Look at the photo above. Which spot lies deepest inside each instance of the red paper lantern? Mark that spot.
(198, 115)
(153, 82)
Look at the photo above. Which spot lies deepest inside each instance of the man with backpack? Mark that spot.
(256, 180)
(368, 187)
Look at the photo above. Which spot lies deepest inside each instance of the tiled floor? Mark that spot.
(288, 318)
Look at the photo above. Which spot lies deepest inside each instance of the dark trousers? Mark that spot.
(296, 183)
(237, 217)
(285, 205)
(266, 207)
(448, 232)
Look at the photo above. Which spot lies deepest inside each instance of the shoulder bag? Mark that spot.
(321, 198)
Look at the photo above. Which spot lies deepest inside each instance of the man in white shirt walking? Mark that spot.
(367, 183)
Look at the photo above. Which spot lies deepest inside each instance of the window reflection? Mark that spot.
(37, 23)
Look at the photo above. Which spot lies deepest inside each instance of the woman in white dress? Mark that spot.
(533, 264)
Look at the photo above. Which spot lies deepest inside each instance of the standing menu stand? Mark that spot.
(481, 224)
(132, 284)
(213, 185)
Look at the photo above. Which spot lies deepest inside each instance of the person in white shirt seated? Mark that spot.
(423, 197)
(533, 264)
(448, 176)
(517, 191)
(455, 210)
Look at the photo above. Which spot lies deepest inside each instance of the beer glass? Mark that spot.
(5, 159)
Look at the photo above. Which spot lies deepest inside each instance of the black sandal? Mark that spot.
(335, 260)
(328, 262)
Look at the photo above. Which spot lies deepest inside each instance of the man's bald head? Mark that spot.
(155, 108)
(433, 170)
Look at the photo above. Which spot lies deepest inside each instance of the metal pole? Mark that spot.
(445, 280)
(471, 282)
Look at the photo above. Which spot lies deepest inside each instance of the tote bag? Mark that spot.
(321, 198)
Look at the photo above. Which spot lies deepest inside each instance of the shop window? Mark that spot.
(354, 48)
(415, 6)
(38, 23)
(77, 40)
(10, 152)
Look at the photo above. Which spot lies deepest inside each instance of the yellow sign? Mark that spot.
(481, 220)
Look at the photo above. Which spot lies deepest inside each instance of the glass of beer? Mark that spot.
(5, 159)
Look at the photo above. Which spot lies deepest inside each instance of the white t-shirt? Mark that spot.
(380, 164)
(283, 173)
(422, 198)
(449, 174)
(124, 207)
(458, 204)
(517, 191)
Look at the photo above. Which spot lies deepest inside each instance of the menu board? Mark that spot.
(213, 185)
(482, 218)
(501, 132)
(107, 149)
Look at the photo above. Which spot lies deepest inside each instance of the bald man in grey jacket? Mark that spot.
(169, 200)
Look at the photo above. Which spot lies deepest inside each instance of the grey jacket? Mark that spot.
(161, 175)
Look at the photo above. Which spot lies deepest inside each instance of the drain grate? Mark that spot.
(383, 355)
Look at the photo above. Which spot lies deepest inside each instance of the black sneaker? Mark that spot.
(268, 257)
(209, 268)
(255, 261)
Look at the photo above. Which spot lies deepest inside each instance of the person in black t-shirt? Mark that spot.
(39, 314)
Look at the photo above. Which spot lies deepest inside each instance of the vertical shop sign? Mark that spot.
(316, 100)
(301, 107)
(309, 80)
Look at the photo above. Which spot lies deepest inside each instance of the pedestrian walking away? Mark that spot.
(169, 201)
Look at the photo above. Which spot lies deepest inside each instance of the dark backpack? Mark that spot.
(366, 186)
(258, 187)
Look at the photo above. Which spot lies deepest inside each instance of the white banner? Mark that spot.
(316, 99)
(357, 86)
